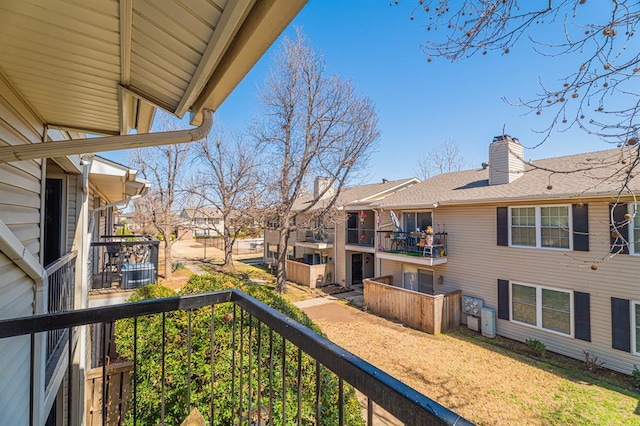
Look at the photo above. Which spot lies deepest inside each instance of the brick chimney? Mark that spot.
(319, 185)
(506, 162)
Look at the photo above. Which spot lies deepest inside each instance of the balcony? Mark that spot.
(61, 280)
(315, 238)
(361, 237)
(124, 262)
(266, 356)
(414, 247)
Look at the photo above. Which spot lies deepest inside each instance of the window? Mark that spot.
(634, 242)
(416, 220)
(542, 307)
(636, 327)
(420, 280)
(542, 227)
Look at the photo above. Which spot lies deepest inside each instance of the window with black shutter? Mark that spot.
(619, 229)
(582, 315)
(503, 226)
(620, 324)
(580, 214)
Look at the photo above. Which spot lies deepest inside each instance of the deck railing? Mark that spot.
(61, 279)
(265, 357)
(361, 236)
(413, 243)
(124, 261)
(315, 235)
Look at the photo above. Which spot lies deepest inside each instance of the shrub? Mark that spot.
(591, 363)
(176, 265)
(536, 347)
(635, 375)
(230, 385)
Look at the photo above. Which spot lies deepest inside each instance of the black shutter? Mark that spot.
(580, 227)
(503, 299)
(620, 324)
(619, 229)
(582, 316)
(503, 226)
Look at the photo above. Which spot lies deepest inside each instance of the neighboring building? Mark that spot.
(537, 244)
(341, 248)
(94, 67)
(201, 222)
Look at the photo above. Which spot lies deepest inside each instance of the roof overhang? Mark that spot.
(115, 181)
(104, 66)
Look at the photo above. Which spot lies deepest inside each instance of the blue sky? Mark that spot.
(377, 46)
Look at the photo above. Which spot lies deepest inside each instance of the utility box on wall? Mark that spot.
(488, 316)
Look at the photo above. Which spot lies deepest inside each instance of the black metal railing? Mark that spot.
(124, 261)
(361, 236)
(275, 365)
(61, 280)
(413, 243)
(315, 235)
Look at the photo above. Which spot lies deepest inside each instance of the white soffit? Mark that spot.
(95, 66)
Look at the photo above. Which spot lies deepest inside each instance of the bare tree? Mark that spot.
(312, 125)
(164, 167)
(229, 181)
(442, 158)
(599, 94)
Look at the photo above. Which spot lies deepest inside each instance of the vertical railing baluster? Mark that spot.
(271, 390)
(188, 362)
(284, 381)
(249, 355)
(162, 373)
(369, 412)
(299, 379)
(70, 377)
(259, 367)
(135, 371)
(104, 373)
(213, 373)
(233, 365)
(318, 390)
(340, 402)
(241, 366)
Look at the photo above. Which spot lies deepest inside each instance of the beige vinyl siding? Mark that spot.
(393, 268)
(339, 252)
(73, 211)
(20, 188)
(476, 262)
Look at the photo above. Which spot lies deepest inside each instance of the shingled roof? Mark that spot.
(587, 175)
(359, 194)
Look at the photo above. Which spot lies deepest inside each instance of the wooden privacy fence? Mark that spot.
(116, 390)
(431, 313)
(309, 275)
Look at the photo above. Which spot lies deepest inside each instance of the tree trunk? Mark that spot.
(167, 258)
(228, 249)
(281, 275)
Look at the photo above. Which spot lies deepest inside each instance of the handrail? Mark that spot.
(60, 262)
(394, 396)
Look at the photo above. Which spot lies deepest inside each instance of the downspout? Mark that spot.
(13, 153)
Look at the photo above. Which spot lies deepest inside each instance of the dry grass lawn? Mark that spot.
(486, 381)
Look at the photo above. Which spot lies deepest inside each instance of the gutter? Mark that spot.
(10, 154)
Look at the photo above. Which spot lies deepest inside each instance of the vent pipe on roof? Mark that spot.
(10, 154)
(506, 160)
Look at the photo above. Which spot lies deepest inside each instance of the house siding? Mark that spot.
(20, 191)
(476, 262)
